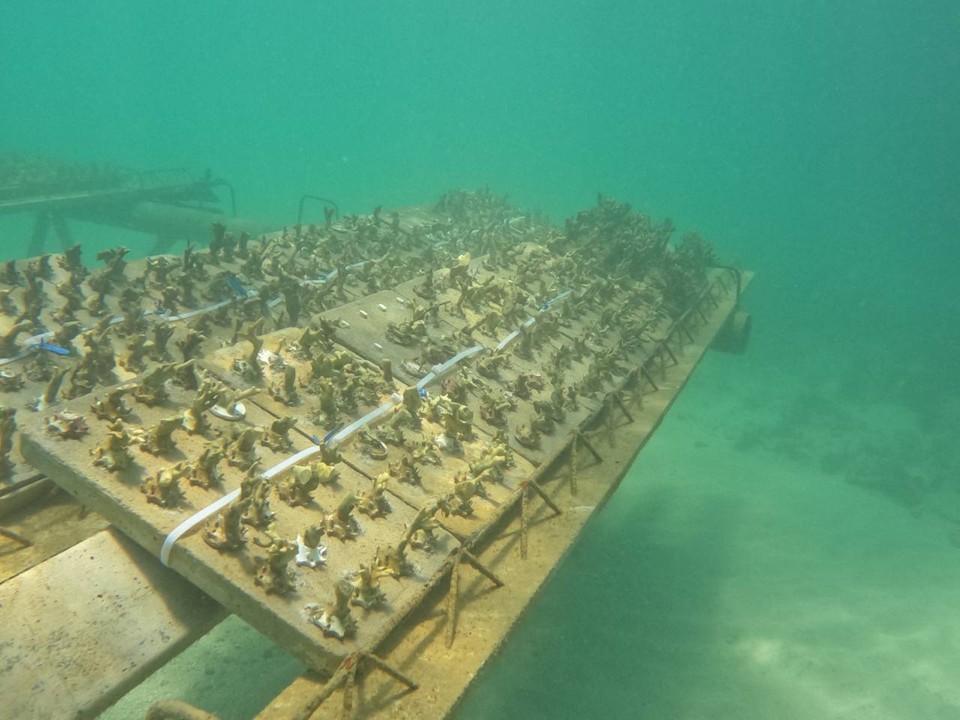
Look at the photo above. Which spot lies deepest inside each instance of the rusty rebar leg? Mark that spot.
(673, 357)
(581, 439)
(349, 706)
(645, 374)
(335, 682)
(523, 521)
(385, 667)
(610, 420)
(479, 567)
(573, 460)
(543, 496)
(16, 537)
(346, 677)
(452, 595)
(454, 591)
(634, 386)
(703, 315)
(623, 407)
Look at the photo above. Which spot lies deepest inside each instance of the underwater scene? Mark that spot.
(364, 327)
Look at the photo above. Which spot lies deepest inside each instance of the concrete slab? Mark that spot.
(78, 631)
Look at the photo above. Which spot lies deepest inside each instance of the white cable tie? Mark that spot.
(324, 278)
(290, 462)
(507, 340)
(442, 368)
(549, 303)
(195, 519)
(460, 356)
(321, 279)
(194, 313)
(358, 424)
(425, 380)
(513, 336)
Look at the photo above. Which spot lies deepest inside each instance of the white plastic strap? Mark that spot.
(358, 424)
(440, 370)
(290, 462)
(19, 356)
(513, 336)
(426, 380)
(323, 279)
(549, 303)
(183, 528)
(194, 313)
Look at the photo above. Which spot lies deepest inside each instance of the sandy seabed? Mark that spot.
(775, 552)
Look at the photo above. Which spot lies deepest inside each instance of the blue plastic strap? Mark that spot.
(236, 286)
(44, 345)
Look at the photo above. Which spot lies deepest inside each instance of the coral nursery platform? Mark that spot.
(371, 438)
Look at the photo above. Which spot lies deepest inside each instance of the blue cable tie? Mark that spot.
(330, 434)
(422, 392)
(42, 345)
(236, 286)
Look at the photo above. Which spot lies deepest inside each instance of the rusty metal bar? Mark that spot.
(543, 496)
(623, 408)
(452, 595)
(480, 568)
(523, 522)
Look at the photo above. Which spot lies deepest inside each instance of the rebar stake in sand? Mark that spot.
(452, 594)
(345, 677)
(623, 407)
(526, 486)
(454, 591)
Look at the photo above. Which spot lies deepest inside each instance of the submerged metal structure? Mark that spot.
(372, 438)
(171, 204)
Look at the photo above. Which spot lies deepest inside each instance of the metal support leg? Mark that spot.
(16, 537)
(38, 238)
(453, 594)
(346, 676)
(62, 229)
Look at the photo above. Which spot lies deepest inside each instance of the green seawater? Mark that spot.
(787, 544)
